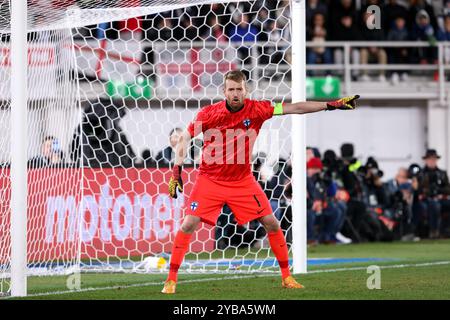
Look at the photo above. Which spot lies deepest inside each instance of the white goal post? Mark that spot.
(19, 115)
(90, 91)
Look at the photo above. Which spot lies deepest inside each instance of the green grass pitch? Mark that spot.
(413, 271)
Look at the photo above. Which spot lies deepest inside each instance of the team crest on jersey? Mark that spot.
(246, 122)
(194, 205)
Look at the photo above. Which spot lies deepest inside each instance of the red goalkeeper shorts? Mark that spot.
(245, 198)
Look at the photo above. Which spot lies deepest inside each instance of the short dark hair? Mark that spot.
(234, 75)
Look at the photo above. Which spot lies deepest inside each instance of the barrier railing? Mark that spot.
(345, 68)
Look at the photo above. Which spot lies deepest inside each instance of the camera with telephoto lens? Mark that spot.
(333, 167)
(414, 171)
(370, 171)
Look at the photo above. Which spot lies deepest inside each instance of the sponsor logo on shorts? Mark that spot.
(194, 206)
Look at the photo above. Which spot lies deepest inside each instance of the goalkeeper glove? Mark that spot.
(346, 103)
(175, 182)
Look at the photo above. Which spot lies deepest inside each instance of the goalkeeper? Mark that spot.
(225, 177)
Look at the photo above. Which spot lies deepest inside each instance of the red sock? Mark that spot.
(279, 248)
(180, 246)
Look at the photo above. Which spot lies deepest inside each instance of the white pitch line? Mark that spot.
(148, 284)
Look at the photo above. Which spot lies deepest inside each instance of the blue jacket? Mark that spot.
(239, 34)
(443, 35)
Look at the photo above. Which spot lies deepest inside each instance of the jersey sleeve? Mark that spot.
(197, 126)
(264, 110)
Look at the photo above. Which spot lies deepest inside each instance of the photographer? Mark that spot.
(99, 140)
(399, 207)
(332, 169)
(322, 211)
(333, 166)
(373, 189)
(376, 226)
(51, 154)
(356, 209)
(434, 193)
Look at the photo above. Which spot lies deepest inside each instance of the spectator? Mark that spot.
(283, 14)
(398, 32)
(265, 27)
(261, 23)
(243, 31)
(338, 10)
(167, 30)
(393, 185)
(151, 25)
(416, 6)
(51, 154)
(391, 12)
(423, 31)
(346, 30)
(100, 135)
(314, 204)
(367, 5)
(187, 29)
(446, 9)
(215, 31)
(332, 172)
(444, 35)
(167, 155)
(436, 191)
(372, 54)
(322, 209)
(314, 7)
(222, 11)
(100, 32)
(312, 152)
(317, 33)
(274, 50)
(281, 36)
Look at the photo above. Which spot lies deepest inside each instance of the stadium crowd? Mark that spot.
(413, 20)
(349, 202)
(326, 20)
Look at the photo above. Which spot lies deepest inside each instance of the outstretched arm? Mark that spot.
(346, 103)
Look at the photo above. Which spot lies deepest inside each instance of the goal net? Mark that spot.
(110, 82)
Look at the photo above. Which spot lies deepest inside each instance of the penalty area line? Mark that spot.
(157, 283)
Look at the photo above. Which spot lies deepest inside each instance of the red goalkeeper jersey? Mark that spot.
(228, 137)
